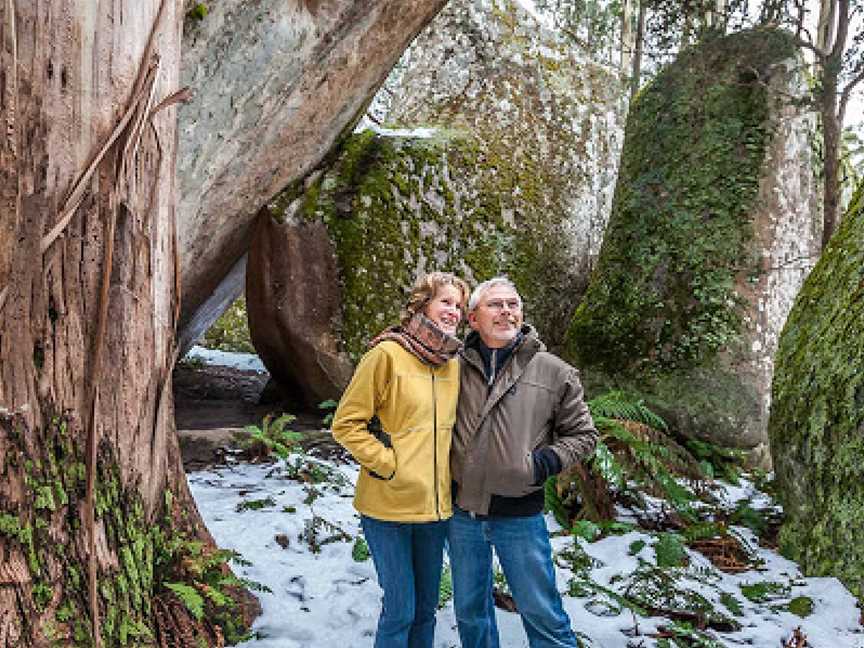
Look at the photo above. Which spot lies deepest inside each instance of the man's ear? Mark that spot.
(472, 320)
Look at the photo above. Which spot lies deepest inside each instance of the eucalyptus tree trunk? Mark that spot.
(91, 484)
(628, 35)
(832, 34)
(639, 40)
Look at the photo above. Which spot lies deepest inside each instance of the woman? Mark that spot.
(396, 419)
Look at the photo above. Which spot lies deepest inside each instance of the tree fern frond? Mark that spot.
(608, 466)
(190, 597)
(618, 405)
(552, 502)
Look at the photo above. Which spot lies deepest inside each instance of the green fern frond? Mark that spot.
(608, 466)
(553, 504)
(618, 405)
(190, 597)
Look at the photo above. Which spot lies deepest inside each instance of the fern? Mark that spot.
(618, 405)
(272, 438)
(608, 466)
(552, 502)
(190, 597)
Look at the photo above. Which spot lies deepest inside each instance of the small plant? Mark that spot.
(587, 530)
(731, 603)
(192, 362)
(801, 606)
(669, 550)
(198, 12)
(255, 505)
(684, 634)
(314, 530)
(360, 550)
(272, 438)
(716, 461)
(445, 589)
(329, 406)
(764, 591)
(635, 547)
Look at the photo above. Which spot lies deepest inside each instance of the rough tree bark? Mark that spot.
(91, 484)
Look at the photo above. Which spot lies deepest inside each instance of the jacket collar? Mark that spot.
(526, 346)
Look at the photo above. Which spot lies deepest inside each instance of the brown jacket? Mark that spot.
(535, 401)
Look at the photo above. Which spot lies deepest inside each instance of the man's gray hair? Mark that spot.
(494, 282)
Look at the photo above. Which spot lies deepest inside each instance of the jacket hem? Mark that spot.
(389, 516)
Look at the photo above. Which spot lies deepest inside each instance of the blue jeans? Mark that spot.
(523, 549)
(408, 558)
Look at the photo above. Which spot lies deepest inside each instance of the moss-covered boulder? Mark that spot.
(817, 416)
(714, 225)
(510, 168)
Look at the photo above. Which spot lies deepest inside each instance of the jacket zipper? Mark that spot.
(492, 362)
(435, 443)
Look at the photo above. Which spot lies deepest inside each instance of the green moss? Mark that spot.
(396, 207)
(663, 295)
(197, 12)
(816, 427)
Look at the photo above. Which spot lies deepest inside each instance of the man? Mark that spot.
(521, 418)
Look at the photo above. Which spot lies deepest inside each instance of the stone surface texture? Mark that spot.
(817, 416)
(274, 86)
(715, 225)
(495, 150)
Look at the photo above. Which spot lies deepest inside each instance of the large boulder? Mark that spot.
(715, 224)
(274, 86)
(512, 171)
(817, 415)
(292, 309)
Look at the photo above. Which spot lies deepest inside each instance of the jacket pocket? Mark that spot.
(514, 479)
(375, 475)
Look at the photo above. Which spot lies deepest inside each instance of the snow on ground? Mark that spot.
(244, 361)
(328, 599)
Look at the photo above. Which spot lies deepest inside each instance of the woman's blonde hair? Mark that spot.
(425, 289)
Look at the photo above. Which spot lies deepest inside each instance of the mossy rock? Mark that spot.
(512, 174)
(396, 207)
(817, 418)
(673, 304)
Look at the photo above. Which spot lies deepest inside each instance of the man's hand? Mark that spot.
(546, 464)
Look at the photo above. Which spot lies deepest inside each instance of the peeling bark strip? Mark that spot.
(87, 323)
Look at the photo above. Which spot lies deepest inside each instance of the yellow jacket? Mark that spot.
(416, 404)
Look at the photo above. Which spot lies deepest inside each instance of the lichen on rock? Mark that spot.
(817, 417)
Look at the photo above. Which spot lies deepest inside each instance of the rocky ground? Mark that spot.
(213, 404)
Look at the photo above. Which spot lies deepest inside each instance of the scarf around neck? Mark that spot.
(422, 337)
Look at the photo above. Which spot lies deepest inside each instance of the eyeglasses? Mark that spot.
(498, 305)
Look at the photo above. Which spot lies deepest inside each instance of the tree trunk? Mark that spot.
(636, 73)
(826, 29)
(833, 31)
(92, 491)
(627, 36)
(831, 128)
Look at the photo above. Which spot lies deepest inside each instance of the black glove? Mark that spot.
(546, 464)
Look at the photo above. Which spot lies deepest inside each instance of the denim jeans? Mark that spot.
(523, 549)
(408, 558)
